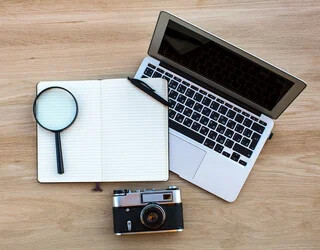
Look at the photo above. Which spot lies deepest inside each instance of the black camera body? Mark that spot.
(147, 211)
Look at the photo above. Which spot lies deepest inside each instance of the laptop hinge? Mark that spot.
(210, 88)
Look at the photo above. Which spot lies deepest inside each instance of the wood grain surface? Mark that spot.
(279, 206)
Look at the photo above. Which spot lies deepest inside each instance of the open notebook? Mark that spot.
(120, 134)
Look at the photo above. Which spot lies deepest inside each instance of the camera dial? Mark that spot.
(152, 216)
(120, 191)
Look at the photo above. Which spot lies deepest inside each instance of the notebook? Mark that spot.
(120, 134)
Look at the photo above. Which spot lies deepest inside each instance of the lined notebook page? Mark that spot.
(81, 142)
(134, 132)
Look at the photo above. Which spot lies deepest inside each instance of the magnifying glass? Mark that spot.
(55, 109)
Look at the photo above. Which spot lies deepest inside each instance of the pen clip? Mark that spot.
(142, 83)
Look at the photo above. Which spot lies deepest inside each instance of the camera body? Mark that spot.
(147, 211)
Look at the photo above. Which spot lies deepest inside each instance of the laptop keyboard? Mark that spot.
(209, 120)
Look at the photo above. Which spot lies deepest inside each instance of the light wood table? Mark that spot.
(279, 206)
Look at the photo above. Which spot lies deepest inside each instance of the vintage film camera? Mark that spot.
(147, 211)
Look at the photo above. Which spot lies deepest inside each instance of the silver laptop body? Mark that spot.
(222, 103)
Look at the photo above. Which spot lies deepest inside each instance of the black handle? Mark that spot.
(60, 167)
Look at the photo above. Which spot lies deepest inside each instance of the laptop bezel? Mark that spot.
(286, 100)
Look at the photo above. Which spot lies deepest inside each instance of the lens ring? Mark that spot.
(156, 209)
(35, 104)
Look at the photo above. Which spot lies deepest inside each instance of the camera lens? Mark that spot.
(152, 216)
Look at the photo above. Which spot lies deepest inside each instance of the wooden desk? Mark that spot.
(279, 206)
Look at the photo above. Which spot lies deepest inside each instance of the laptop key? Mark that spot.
(198, 97)
(245, 114)
(222, 110)
(231, 114)
(160, 70)
(247, 132)
(196, 126)
(198, 107)
(204, 130)
(255, 137)
(236, 109)
(172, 113)
(187, 112)
(223, 120)
(247, 122)
(220, 101)
(195, 116)
(214, 115)
(190, 103)
(177, 79)
(237, 137)
(218, 148)
(209, 143)
(168, 74)
(172, 103)
(212, 124)
(229, 133)
(151, 66)
(226, 154)
(166, 78)
(228, 105)
(186, 131)
(245, 142)
(239, 128)
(189, 93)
(212, 97)
(239, 118)
(186, 83)
(214, 105)
(181, 98)
(221, 129)
(206, 111)
(156, 75)
(212, 135)
(263, 123)
(173, 94)
(173, 84)
(206, 101)
(187, 122)
(202, 92)
(254, 118)
(194, 87)
(181, 88)
(229, 143)
(204, 120)
(221, 139)
(148, 72)
(235, 156)
(242, 150)
(243, 163)
(179, 107)
(179, 118)
(258, 128)
(231, 124)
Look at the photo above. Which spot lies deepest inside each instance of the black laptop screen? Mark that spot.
(223, 66)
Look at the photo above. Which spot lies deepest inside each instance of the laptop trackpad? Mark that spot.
(185, 158)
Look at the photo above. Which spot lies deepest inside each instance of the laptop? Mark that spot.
(223, 102)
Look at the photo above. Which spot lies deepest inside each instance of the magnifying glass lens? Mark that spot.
(55, 109)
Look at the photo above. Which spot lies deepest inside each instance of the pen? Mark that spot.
(147, 89)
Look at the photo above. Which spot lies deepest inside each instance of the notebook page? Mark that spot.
(134, 132)
(81, 142)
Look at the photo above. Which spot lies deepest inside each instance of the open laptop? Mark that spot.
(222, 103)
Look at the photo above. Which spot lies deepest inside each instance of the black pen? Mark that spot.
(147, 89)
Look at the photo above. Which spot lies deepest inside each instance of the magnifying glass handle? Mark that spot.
(60, 167)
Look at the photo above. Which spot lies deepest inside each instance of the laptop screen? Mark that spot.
(221, 65)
